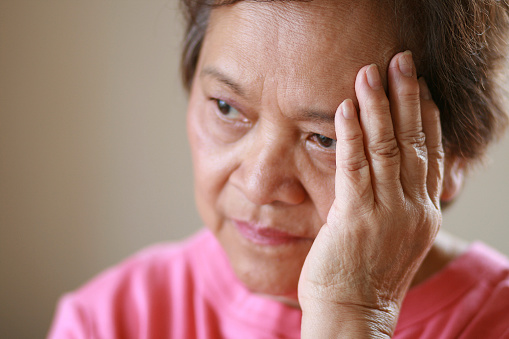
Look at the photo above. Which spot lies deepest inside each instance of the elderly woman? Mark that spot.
(326, 137)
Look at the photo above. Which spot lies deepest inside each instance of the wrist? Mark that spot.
(324, 319)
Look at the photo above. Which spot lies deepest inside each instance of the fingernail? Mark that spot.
(405, 64)
(347, 109)
(373, 76)
(423, 89)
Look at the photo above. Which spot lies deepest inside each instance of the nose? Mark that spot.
(268, 173)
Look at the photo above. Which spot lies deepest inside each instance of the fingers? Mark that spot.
(352, 167)
(381, 147)
(391, 151)
(433, 131)
(406, 115)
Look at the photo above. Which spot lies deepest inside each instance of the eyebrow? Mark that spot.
(317, 116)
(322, 117)
(220, 76)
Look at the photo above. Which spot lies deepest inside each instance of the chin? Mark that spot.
(281, 290)
(268, 283)
(272, 270)
(268, 276)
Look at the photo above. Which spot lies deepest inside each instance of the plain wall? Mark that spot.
(94, 161)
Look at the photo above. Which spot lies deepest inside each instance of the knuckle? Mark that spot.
(410, 92)
(416, 140)
(353, 137)
(437, 150)
(440, 153)
(385, 148)
(380, 105)
(354, 164)
(410, 99)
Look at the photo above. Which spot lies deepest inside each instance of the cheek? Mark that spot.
(211, 163)
(324, 202)
(320, 187)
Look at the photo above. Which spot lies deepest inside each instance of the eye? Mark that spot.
(323, 141)
(228, 111)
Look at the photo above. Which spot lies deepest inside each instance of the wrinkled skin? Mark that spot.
(275, 86)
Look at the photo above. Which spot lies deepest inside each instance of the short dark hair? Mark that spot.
(459, 47)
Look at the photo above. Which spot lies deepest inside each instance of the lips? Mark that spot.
(263, 235)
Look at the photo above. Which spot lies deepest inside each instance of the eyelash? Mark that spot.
(222, 105)
(319, 139)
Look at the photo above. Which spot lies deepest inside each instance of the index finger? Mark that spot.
(353, 178)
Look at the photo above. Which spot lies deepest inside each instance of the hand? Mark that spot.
(386, 212)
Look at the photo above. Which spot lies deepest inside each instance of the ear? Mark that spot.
(454, 175)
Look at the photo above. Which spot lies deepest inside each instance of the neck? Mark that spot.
(445, 249)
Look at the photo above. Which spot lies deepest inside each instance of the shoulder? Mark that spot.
(142, 289)
(158, 264)
(468, 299)
(491, 294)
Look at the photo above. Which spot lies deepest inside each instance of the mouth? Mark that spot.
(265, 235)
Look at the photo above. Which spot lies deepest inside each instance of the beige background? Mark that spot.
(94, 161)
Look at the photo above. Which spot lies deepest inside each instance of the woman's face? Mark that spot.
(261, 125)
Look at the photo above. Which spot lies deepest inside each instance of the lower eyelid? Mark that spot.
(322, 156)
(325, 154)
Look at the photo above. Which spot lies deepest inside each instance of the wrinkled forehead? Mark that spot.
(311, 27)
(300, 41)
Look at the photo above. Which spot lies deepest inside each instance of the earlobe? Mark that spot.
(454, 175)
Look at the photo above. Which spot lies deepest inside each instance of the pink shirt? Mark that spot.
(189, 291)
